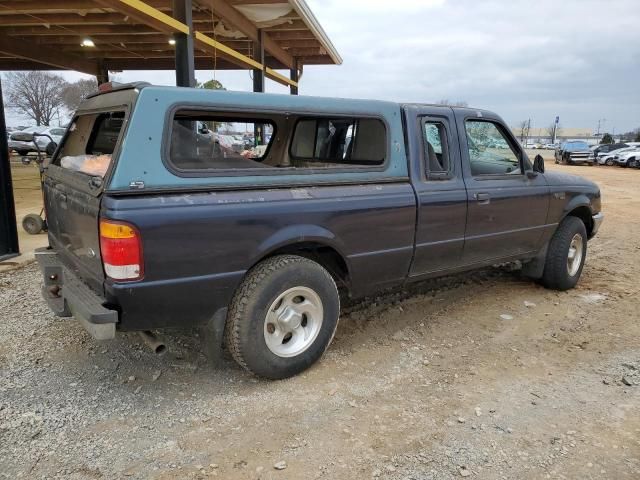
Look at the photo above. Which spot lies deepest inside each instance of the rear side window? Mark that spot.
(435, 149)
(207, 141)
(90, 143)
(338, 142)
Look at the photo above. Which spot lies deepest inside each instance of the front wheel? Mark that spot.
(609, 162)
(282, 317)
(633, 163)
(565, 255)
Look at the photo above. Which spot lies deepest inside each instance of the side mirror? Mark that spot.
(538, 164)
(23, 136)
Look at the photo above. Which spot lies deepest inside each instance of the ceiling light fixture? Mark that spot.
(87, 42)
(172, 41)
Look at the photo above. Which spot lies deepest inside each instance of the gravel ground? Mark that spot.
(482, 376)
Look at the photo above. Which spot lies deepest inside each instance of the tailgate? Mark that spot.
(72, 219)
(73, 185)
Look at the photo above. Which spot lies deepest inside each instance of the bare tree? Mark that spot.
(75, 92)
(457, 103)
(523, 128)
(554, 128)
(37, 95)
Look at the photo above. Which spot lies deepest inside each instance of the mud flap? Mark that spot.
(535, 268)
(212, 335)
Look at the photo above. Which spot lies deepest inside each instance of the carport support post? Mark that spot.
(8, 228)
(258, 85)
(258, 56)
(185, 64)
(102, 75)
(293, 75)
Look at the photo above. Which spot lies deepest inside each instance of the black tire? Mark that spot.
(609, 162)
(556, 274)
(51, 148)
(633, 163)
(33, 224)
(245, 329)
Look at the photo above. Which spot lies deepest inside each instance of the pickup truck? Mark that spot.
(153, 225)
(574, 152)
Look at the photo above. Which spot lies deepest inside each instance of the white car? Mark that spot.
(609, 157)
(628, 159)
(21, 142)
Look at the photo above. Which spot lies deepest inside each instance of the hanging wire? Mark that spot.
(215, 47)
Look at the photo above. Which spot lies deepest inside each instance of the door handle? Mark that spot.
(482, 198)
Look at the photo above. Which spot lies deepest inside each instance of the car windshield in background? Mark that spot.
(575, 146)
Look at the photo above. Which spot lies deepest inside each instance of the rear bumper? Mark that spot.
(67, 296)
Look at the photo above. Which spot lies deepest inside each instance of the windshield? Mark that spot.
(574, 146)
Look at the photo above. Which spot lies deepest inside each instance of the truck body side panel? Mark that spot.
(198, 246)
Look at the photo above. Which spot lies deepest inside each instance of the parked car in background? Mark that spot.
(532, 146)
(629, 158)
(257, 248)
(22, 143)
(570, 153)
(603, 150)
(609, 158)
(551, 146)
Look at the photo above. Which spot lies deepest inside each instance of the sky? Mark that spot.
(578, 59)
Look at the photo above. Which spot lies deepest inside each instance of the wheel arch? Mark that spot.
(583, 212)
(312, 242)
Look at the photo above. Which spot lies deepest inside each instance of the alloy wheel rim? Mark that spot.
(293, 321)
(574, 256)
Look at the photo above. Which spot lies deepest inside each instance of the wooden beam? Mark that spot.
(317, 60)
(77, 30)
(40, 6)
(75, 18)
(146, 15)
(288, 26)
(292, 35)
(46, 55)
(232, 17)
(63, 19)
(202, 63)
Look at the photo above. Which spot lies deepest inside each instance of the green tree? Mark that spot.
(606, 138)
(211, 85)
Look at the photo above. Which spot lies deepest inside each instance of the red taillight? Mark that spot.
(121, 249)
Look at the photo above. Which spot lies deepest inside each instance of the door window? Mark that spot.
(436, 152)
(490, 152)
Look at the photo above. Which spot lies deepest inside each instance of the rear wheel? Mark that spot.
(282, 317)
(565, 255)
(609, 162)
(633, 163)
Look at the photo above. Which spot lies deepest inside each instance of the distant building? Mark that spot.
(541, 135)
